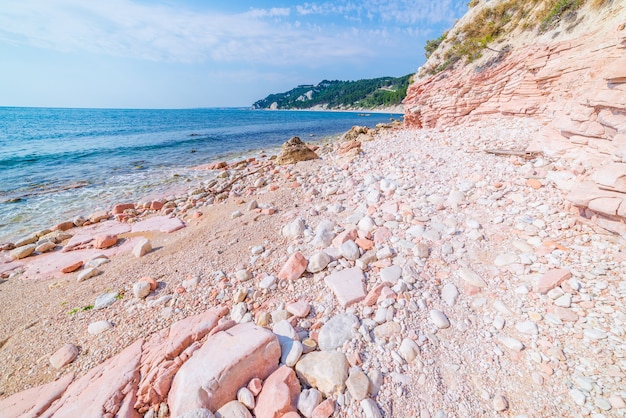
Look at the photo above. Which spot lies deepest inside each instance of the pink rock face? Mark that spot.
(63, 226)
(324, 410)
(279, 394)
(166, 351)
(101, 391)
(347, 235)
(159, 223)
(72, 267)
(226, 362)
(374, 294)
(120, 208)
(33, 402)
(64, 355)
(551, 279)
(347, 285)
(105, 241)
(294, 267)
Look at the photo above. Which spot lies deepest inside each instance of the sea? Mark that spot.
(57, 164)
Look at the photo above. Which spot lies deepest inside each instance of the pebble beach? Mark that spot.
(402, 273)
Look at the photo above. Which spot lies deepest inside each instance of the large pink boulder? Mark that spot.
(279, 394)
(33, 402)
(166, 351)
(101, 392)
(227, 361)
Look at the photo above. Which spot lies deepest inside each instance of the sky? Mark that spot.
(204, 53)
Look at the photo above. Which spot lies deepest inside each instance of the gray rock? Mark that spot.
(294, 229)
(370, 409)
(308, 400)
(87, 273)
(105, 300)
(339, 329)
(439, 319)
(323, 234)
(326, 371)
(141, 289)
(99, 327)
(349, 250)
(391, 274)
(318, 262)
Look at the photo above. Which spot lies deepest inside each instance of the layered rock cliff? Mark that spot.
(571, 77)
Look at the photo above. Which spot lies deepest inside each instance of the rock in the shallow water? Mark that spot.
(23, 251)
(324, 370)
(227, 361)
(279, 394)
(339, 329)
(142, 248)
(294, 151)
(64, 355)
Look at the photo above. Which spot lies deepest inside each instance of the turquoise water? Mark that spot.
(59, 163)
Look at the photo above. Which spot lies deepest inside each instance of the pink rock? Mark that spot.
(64, 355)
(324, 410)
(105, 241)
(279, 394)
(159, 223)
(255, 386)
(156, 205)
(347, 235)
(364, 243)
(551, 279)
(382, 234)
(226, 362)
(121, 207)
(300, 308)
(294, 267)
(100, 392)
(374, 294)
(166, 351)
(34, 401)
(347, 285)
(99, 216)
(72, 267)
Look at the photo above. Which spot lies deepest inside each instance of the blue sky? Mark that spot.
(194, 53)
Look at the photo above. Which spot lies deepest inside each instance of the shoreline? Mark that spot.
(453, 245)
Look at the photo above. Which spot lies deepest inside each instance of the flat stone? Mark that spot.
(227, 361)
(158, 223)
(326, 371)
(23, 251)
(72, 267)
(45, 247)
(87, 273)
(439, 319)
(279, 394)
(595, 334)
(105, 241)
(99, 327)
(105, 300)
(300, 308)
(551, 279)
(387, 330)
(294, 267)
(64, 355)
(527, 327)
(358, 384)
(511, 343)
(472, 278)
(308, 400)
(348, 286)
(324, 409)
(339, 329)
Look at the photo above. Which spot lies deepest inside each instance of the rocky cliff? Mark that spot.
(570, 74)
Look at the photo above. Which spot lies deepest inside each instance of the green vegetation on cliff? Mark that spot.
(494, 22)
(360, 94)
